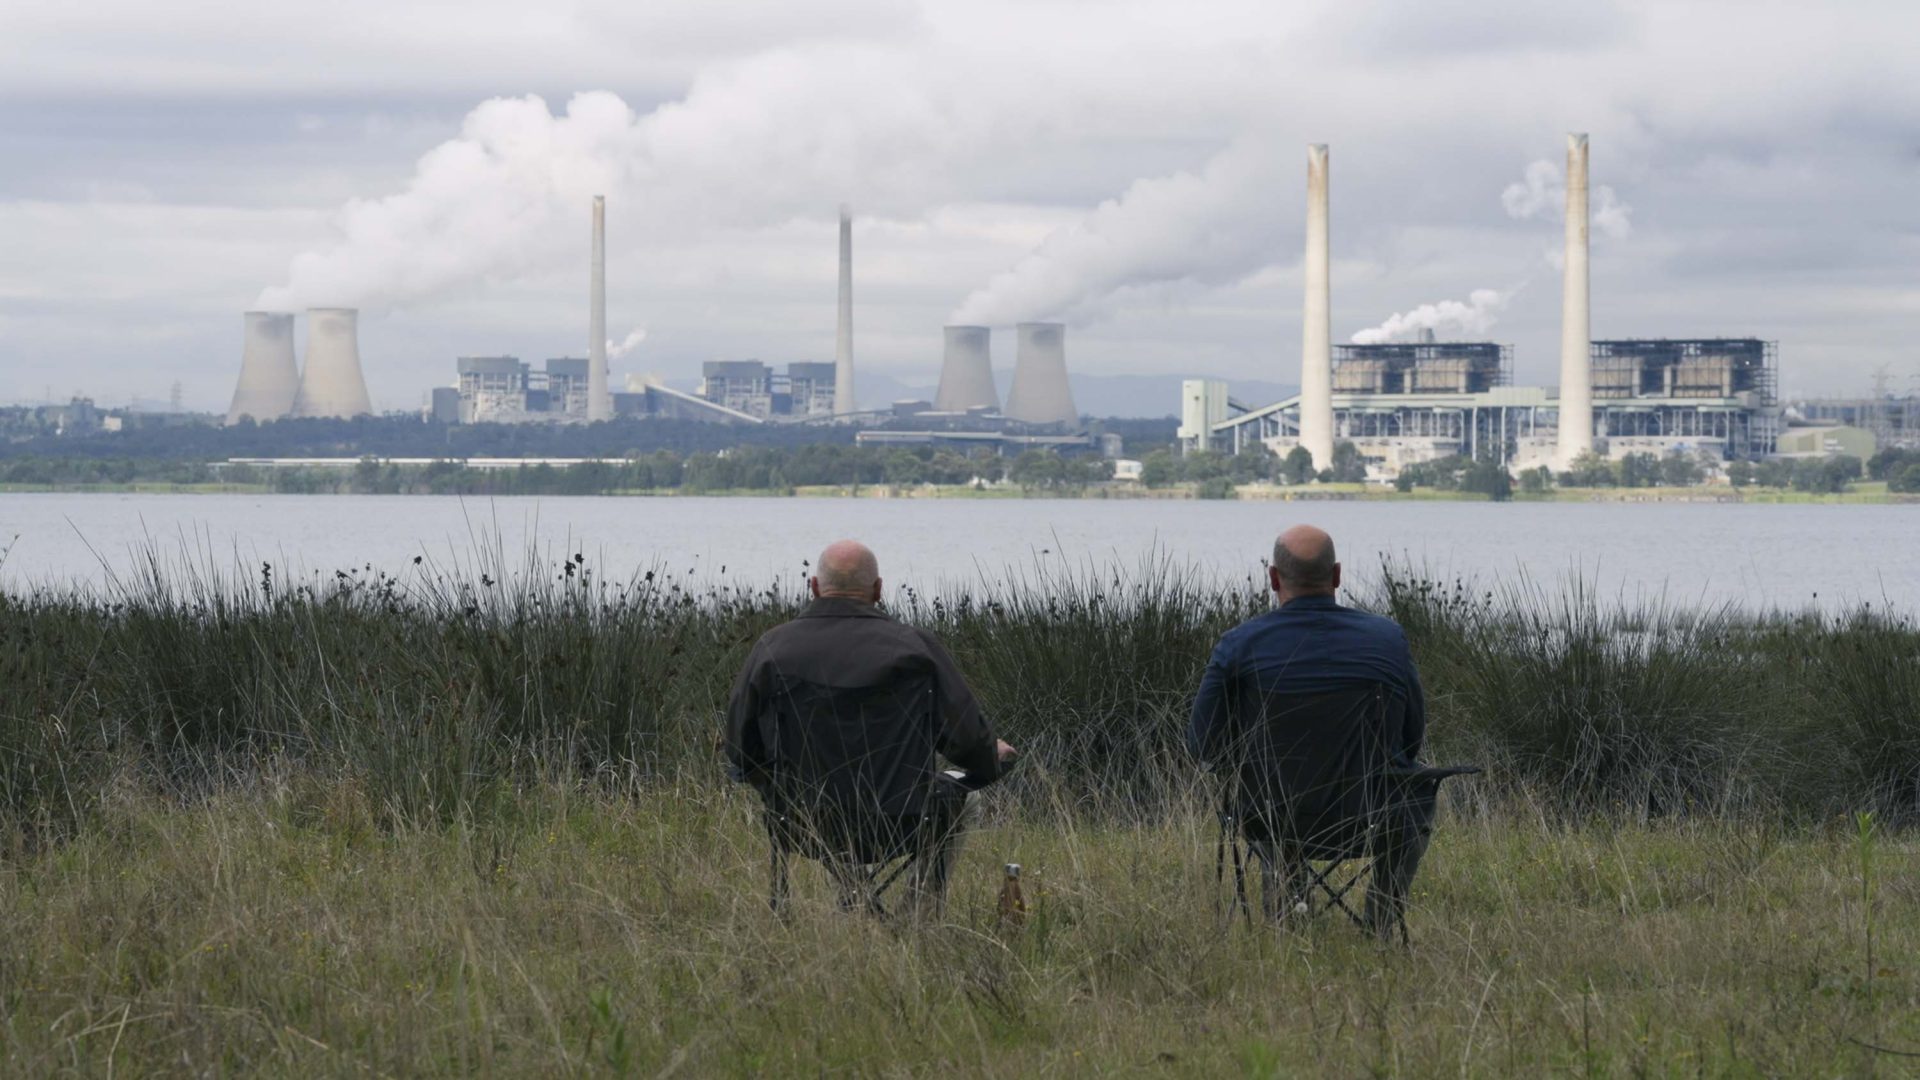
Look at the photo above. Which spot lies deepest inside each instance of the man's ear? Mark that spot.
(1273, 578)
(1336, 575)
(876, 590)
(813, 586)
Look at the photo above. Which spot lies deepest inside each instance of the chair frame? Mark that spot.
(868, 881)
(1322, 874)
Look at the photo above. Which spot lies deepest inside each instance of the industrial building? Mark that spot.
(1894, 421)
(807, 390)
(1401, 403)
(272, 387)
(506, 390)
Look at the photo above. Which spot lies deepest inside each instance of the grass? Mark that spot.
(468, 818)
(278, 927)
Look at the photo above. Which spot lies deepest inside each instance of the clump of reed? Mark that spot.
(441, 689)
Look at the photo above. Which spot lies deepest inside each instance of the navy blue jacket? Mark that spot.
(1311, 645)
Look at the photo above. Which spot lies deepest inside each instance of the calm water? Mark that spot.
(1758, 556)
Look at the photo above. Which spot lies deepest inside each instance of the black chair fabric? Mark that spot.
(1318, 773)
(854, 780)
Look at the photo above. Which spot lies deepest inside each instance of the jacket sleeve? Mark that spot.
(962, 734)
(747, 755)
(1208, 729)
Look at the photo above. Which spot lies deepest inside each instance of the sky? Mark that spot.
(1134, 169)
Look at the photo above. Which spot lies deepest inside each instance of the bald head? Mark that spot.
(1304, 564)
(847, 570)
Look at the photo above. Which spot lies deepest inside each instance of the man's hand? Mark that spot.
(1004, 751)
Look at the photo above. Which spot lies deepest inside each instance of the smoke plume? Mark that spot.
(616, 350)
(1542, 192)
(1161, 236)
(509, 195)
(1448, 318)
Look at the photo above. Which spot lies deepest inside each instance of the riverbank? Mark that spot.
(1863, 493)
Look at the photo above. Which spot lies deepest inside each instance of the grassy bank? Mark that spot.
(469, 819)
(280, 927)
(432, 684)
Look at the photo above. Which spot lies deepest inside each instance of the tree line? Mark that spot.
(748, 468)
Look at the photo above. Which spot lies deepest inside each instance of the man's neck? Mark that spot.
(1328, 595)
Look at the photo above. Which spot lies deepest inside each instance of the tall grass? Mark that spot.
(442, 689)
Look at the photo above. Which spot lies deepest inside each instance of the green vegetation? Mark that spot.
(280, 929)
(745, 468)
(434, 683)
(1899, 467)
(458, 820)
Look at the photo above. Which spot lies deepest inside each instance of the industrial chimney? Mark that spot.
(1316, 338)
(1040, 394)
(843, 398)
(966, 375)
(269, 378)
(332, 384)
(599, 398)
(1576, 328)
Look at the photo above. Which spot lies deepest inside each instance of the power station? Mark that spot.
(1402, 403)
(1398, 402)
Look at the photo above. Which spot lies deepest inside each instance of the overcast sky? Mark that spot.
(1134, 169)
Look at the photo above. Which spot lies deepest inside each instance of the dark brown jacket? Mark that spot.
(846, 705)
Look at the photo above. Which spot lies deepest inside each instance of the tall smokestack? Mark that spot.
(332, 384)
(269, 379)
(599, 399)
(843, 399)
(1040, 394)
(1316, 337)
(1576, 326)
(966, 375)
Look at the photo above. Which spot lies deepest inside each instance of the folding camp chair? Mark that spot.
(853, 785)
(1314, 782)
(865, 854)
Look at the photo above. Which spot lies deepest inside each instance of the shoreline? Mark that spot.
(1867, 493)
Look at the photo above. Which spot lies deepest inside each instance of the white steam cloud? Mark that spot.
(616, 350)
(1543, 193)
(509, 195)
(1161, 236)
(1472, 319)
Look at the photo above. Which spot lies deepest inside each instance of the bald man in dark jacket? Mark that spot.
(839, 718)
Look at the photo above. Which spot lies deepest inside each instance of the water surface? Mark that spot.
(1752, 555)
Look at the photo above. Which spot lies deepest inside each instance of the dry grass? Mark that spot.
(279, 929)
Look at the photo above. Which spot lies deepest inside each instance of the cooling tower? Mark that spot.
(1316, 339)
(1040, 393)
(843, 399)
(966, 375)
(332, 385)
(269, 380)
(599, 398)
(1576, 330)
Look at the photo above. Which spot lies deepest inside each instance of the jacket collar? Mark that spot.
(834, 607)
(1311, 603)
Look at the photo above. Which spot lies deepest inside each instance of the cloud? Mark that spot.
(1133, 169)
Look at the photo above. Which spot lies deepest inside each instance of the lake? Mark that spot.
(1756, 556)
